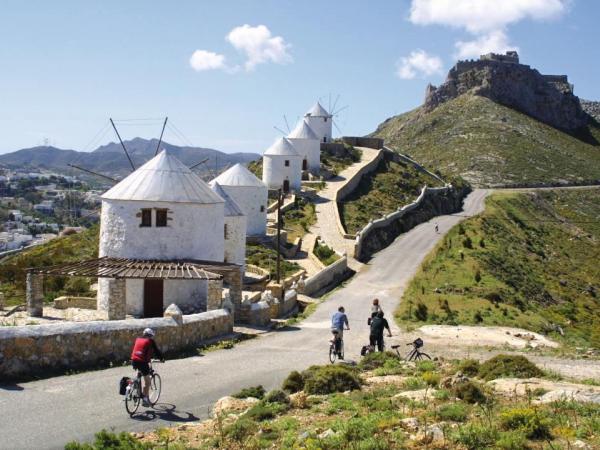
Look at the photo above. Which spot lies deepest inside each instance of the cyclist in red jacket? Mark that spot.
(144, 349)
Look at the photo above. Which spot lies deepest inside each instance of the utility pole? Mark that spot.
(279, 198)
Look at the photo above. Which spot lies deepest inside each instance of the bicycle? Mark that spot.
(335, 344)
(134, 393)
(415, 354)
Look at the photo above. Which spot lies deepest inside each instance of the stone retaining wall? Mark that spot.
(357, 141)
(431, 202)
(330, 275)
(409, 160)
(42, 349)
(350, 186)
(75, 302)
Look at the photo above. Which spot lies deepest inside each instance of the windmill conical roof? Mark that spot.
(238, 175)
(303, 131)
(163, 179)
(282, 147)
(231, 207)
(317, 111)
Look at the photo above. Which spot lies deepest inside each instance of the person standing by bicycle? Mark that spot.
(378, 325)
(338, 320)
(144, 348)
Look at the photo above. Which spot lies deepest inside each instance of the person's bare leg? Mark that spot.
(146, 388)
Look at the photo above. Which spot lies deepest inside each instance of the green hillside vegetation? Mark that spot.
(530, 260)
(75, 247)
(266, 258)
(489, 144)
(391, 186)
(298, 220)
(335, 407)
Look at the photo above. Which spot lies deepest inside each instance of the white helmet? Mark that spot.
(149, 332)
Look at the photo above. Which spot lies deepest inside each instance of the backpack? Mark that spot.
(377, 325)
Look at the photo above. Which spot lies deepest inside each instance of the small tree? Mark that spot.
(482, 243)
(467, 242)
(477, 276)
(421, 313)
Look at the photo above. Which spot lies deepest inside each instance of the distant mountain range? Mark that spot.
(110, 159)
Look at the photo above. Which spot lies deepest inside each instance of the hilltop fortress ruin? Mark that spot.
(503, 79)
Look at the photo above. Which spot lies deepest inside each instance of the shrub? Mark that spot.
(378, 359)
(431, 378)
(477, 276)
(477, 317)
(469, 392)
(277, 396)
(509, 366)
(425, 366)
(413, 384)
(456, 412)
(294, 382)
(330, 379)
(241, 429)
(527, 420)
(469, 367)
(475, 436)
(421, 312)
(482, 243)
(512, 440)
(107, 440)
(256, 392)
(265, 411)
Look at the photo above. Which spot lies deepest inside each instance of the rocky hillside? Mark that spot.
(592, 108)
(490, 144)
(547, 98)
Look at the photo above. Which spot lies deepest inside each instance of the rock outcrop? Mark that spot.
(547, 98)
(592, 108)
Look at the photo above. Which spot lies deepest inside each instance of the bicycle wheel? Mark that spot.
(155, 387)
(133, 397)
(420, 356)
(332, 353)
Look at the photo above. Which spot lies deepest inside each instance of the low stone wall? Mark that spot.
(350, 186)
(431, 202)
(409, 160)
(41, 349)
(75, 302)
(357, 141)
(330, 275)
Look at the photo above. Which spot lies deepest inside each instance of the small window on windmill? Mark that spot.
(287, 163)
(225, 232)
(161, 217)
(146, 218)
(325, 119)
(262, 208)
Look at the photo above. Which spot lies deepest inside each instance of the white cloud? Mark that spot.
(418, 63)
(204, 60)
(259, 46)
(495, 41)
(482, 16)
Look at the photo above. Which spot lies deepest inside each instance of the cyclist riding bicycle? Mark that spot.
(144, 348)
(338, 320)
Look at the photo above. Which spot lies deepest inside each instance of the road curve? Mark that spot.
(49, 413)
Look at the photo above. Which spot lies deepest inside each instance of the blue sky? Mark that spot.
(67, 66)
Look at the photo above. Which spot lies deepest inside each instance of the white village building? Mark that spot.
(249, 193)
(320, 121)
(282, 166)
(163, 212)
(307, 144)
(234, 230)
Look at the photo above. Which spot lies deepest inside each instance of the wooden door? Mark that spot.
(304, 164)
(286, 185)
(153, 298)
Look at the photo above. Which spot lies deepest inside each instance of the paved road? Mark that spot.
(48, 413)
